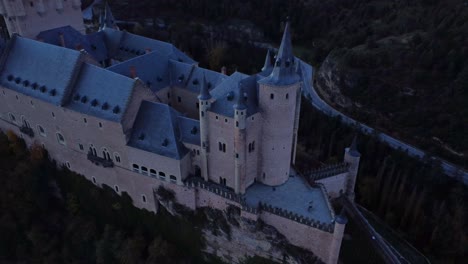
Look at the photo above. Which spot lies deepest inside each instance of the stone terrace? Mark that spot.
(295, 196)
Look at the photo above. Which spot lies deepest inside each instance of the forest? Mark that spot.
(403, 64)
(412, 196)
(52, 215)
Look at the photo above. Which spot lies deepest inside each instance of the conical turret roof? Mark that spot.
(284, 72)
(267, 64)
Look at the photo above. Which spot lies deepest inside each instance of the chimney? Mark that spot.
(133, 73)
(148, 50)
(79, 47)
(223, 70)
(62, 39)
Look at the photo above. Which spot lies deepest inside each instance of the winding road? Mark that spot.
(311, 94)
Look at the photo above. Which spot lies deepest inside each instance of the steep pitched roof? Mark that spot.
(124, 45)
(156, 129)
(151, 68)
(226, 94)
(40, 70)
(73, 39)
(107, 19)
(189, 130)
(101, 93)
(191, 77)
(284, 70)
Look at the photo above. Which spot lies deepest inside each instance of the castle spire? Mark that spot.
(204, 91)
(284, 69)
(267, 64)
(107, 19)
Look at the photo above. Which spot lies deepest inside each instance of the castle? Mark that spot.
(135, 113)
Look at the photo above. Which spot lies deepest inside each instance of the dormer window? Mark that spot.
(165, 142)
(141, 136)
(116, 109)
(43, 89)
(94, 103)
(10, 78)
(76, 97)
(278, 62)
(288, 62)
(195, 82)
(194, 130)
(17, 80)
(105, 106)
(26, 83)
(181, 78)
(84, 99)
(34, 86)
(53, 92)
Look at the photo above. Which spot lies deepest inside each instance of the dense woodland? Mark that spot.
(428, 208)
(50, 215)
(404, 62)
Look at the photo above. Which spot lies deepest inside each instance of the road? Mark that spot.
(311, 94)
(387, 252)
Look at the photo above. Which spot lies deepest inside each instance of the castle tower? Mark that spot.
(204, 102)
(240, 114)
(106, 19)
(338, 232)
(278, 102)
(352, 158)
(29, 18)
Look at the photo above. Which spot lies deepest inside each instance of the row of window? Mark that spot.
(152, 173)
(117, 189)
(13, 118)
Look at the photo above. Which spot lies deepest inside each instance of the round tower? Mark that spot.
(278, 103)
(352, 158)
(240, 114)
(338, 232)
(205, 104)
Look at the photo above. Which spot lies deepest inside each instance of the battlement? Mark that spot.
(327, 171)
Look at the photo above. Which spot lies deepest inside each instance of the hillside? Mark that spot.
(400, 66)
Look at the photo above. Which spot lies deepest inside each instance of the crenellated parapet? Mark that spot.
(327, 227)
(327, 171)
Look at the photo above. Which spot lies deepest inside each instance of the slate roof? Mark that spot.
(123, 46)
(152, 69)
(226, 94)
(92, 43)
(191, 77)
(189, 130)
(39, 70)
(101, 93)
(284, 70)
(156, 129)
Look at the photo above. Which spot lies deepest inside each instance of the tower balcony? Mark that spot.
(100, 161)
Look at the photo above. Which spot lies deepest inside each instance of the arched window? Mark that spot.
(92, 150)
(60, 139)
(143, 198)
(136, 168)
(272, 96)
(144, 170)
(94, 180)
(117, 157)
(41, 130)
(287, 96)
(106, 154)
(162, 175)
(116, 188)
(153, 173)
(173, 179)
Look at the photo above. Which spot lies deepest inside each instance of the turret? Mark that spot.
(205, 104)
(352, 158)
(240, 114)
(279, 104)
(106, 20)
(267, 65)
(340, 224)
